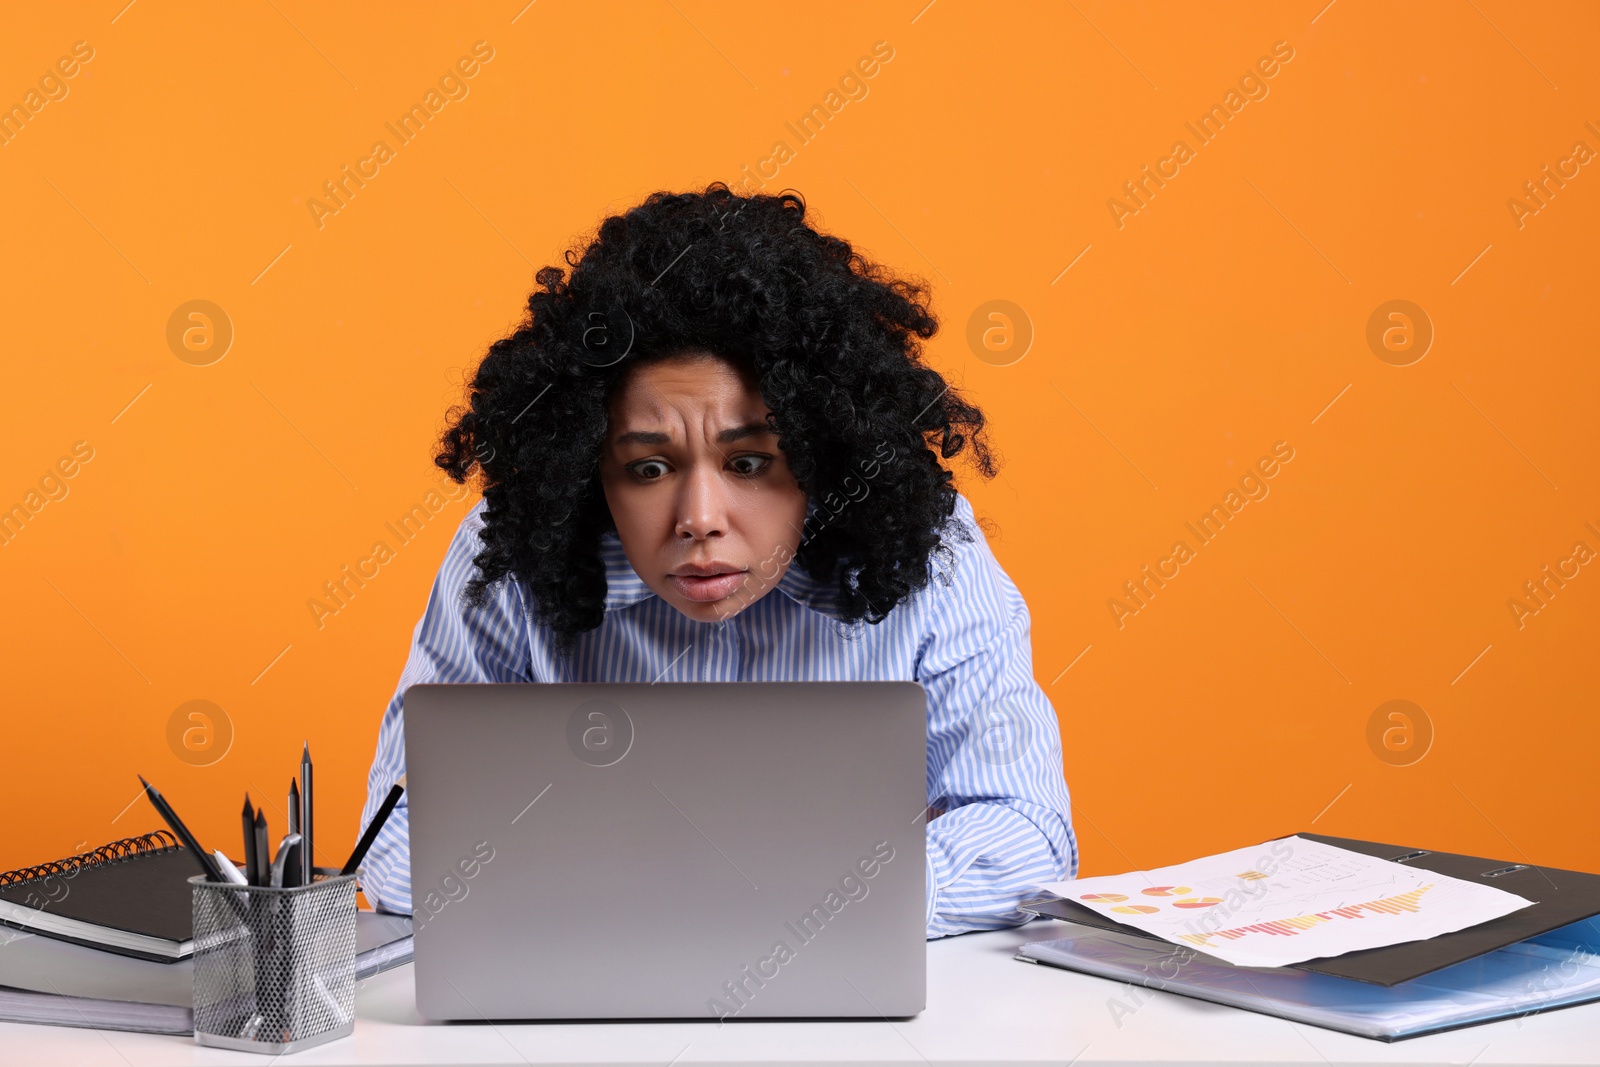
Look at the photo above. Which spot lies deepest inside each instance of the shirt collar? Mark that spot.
(624, 587)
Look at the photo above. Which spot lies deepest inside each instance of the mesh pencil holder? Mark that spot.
(274, 969)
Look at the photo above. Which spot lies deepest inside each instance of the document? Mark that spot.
(1287, 901)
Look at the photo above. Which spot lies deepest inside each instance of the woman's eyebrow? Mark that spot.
(655, 437)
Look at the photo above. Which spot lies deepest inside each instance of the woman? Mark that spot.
(713, 453)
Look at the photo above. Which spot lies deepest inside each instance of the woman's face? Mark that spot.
(697, 485)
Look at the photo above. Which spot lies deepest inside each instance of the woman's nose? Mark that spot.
(702, 506)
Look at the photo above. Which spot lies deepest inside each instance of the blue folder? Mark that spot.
(1551, 970)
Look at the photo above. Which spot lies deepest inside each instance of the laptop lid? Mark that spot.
(773, 834)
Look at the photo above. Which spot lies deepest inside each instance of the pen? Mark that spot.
(284, 847)
(249, 817)
(206, 863)
(373, 827)
(263, 857)
(231, 874)
(294, 806)
(308, 862)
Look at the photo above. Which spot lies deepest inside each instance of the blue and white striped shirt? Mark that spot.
(1000, 819)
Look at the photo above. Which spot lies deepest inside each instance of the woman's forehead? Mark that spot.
(704, 389)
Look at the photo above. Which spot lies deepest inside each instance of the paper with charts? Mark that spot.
(1289, 900)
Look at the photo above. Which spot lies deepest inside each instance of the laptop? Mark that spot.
(694, 850)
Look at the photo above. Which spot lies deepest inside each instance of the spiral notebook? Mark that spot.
(130, 896)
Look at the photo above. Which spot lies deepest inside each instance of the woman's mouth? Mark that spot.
(706, 589)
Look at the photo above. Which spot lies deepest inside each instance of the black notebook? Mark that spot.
(130, 896)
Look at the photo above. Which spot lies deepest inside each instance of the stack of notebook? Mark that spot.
(1534, 959)
(104, 939)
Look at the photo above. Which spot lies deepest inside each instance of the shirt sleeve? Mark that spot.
(1000, 814)
(452, 642)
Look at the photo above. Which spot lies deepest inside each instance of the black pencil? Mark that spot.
(249, 817)
(373, 827)
(263, 856)
(309, 863)
(207, 864)
(294, 806)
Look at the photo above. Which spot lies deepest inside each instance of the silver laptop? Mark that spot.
(702, 850)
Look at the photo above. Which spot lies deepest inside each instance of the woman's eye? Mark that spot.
(653, 470)
(639, 469)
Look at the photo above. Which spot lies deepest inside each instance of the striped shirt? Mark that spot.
(1000, 821)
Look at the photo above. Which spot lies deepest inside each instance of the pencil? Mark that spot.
(263, 874)
(249, 817)
(294, 806)
(309, 863)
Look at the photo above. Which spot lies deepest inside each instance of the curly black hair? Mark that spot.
(833, 340)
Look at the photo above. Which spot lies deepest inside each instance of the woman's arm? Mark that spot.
(452, 642)
(994, 753)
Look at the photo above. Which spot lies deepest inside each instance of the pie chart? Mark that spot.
(1103, 898)
(1166, 891)
(1136, 909)
(1196, 902)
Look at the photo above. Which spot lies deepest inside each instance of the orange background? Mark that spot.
(1229, 313)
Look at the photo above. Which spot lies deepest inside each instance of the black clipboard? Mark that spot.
(1560, 897)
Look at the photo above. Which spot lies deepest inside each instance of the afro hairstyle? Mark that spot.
(833, 339)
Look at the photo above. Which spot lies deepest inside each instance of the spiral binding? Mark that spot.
(127, 848)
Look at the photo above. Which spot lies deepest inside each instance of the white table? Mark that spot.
(983, 1007)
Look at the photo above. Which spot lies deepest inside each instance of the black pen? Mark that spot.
(373, 827)
(207, 864)
(249, 817)
(309, 866)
